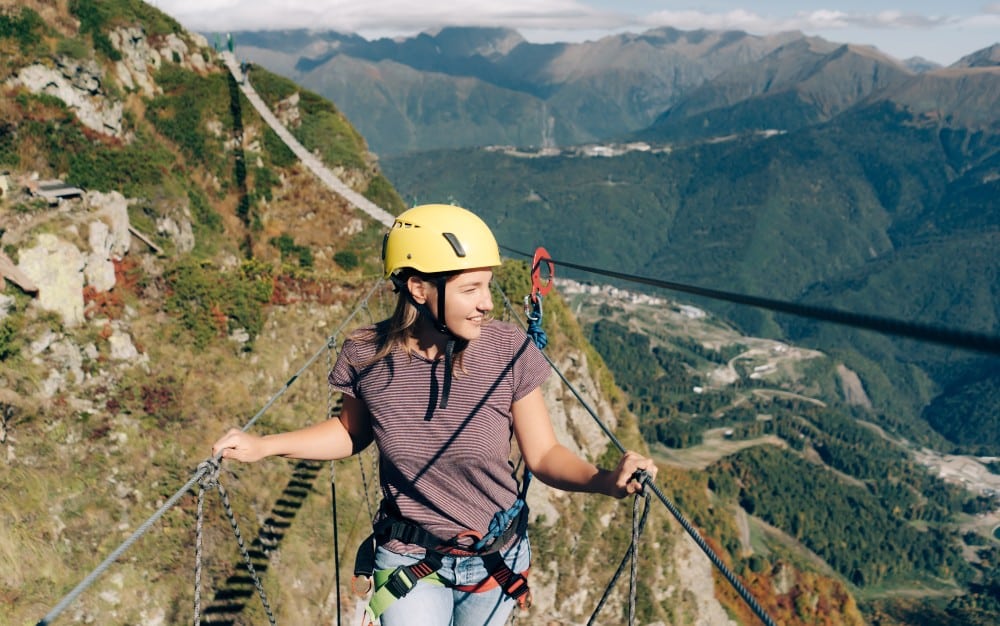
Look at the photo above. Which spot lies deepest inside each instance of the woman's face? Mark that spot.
(467, 301)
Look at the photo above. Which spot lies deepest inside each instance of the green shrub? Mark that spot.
(326, 130)
(10, 337)
(26, 28)
(210, 303)
(264, 180)
(279, 153)
(181, 113)
(346, 259)
(133, 169)
(93, 18)
(286, 244)
(73, 48)
(383, 194)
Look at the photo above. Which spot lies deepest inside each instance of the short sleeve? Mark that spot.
(531, 368)
(344, 375)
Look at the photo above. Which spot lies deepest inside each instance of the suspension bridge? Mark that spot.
(206, 478)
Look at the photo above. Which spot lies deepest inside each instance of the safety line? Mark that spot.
(735, 582)
(949, 337)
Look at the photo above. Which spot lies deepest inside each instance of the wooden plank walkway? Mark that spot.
(308, 159)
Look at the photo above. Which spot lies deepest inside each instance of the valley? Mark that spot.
(771, 386)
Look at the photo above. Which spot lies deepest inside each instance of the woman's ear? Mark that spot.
(418, 289)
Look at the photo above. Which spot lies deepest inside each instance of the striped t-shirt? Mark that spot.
(448, 470)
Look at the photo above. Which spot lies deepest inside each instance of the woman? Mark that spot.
(441, 389)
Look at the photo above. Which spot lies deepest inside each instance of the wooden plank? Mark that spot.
(11, 272)
(144, 239)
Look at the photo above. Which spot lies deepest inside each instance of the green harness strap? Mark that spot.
(392, 584)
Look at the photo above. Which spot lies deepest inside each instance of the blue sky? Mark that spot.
(940, 31)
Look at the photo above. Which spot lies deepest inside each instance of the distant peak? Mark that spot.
(987, 57)
(486, 41)
(920, 64)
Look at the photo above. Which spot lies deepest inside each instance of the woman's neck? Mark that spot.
(427, 342)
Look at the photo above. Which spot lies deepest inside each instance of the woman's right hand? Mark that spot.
(239, 445)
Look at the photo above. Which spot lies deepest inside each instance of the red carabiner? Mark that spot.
(537, 288)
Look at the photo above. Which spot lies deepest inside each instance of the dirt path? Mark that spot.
(714, 446)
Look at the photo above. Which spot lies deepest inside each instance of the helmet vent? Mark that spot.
(456, 245)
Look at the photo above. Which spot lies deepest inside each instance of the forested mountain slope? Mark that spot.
(887, 209)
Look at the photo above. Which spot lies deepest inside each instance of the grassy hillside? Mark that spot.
(93, 441)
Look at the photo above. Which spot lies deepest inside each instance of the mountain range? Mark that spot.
(786, 166)
(820, 173)
(461, 87)
(477, 86)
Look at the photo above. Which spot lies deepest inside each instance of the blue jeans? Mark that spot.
(428, 604)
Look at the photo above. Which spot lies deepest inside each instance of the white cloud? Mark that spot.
(383, 15)
(732, 20)
(903, 33)
(550, 15)
(823, 19)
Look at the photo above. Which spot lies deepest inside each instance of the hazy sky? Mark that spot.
(941, 31)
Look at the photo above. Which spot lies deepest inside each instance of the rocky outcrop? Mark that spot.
(59, 270)
(176, 225)
(140, 57)
(109, 238)
(56, 266)
(79, 85)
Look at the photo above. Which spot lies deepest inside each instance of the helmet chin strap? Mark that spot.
(439, 325)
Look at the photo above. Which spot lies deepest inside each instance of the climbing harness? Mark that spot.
(388, 585)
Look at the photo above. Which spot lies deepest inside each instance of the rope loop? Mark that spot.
(533, 311)
(630, 557)
(208, 473)
(641, 476)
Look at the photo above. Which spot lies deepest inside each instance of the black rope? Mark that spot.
(336, 537)
(691, 530)
(638, 525)
(209, 470)
(330, 406)
(950, 337)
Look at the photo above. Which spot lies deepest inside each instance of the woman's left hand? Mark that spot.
(626, 481)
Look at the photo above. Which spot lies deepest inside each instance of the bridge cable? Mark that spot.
(737, 585)
(198, 475)
(950, 337)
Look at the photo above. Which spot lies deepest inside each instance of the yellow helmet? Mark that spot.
(435, 238)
